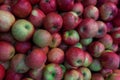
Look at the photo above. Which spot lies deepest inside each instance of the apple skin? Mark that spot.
(56, 40)
(36, 17)
(6, 20)
(79, 45)
(97, 76)
(34, 2)
(108, 11)
(65, 5)
(6, 64)
(75, 56)
(7, 51)
(48, 6)
(95, 65)
(70, 20)
(88, 59)
(106, 72)
(107, 41)
(42, 38)
(12, 75)
(53, 22)
(109, 60)
(71, 37)
(102, 29)
(109, 26)
(88, 28)
(68, 66)
(114, 47)
(22, 8)
(52, 71)
(86, 73)
(86, 41)
(88, 2)
(91, 11)
(36, 55)
(78, 8)
(96, 49)
(56, 55)
(2, 72)
(73, 74)
(5, 7)
(22, 30)
(17, 63)
(27, 79)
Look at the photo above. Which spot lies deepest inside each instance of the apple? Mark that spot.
(53, 22)
(91, 11)
(56, 40)
(102, 29)
(78, 8)
(7, 19)
(86, 73)
(107, 41)
(22, 8)
(65, 5)
(86, 41)
(79, 45)
(108, 11)
(73, 74)
(88, 28)
(71, 37)
(35, 59)
(110, 60)
(75, 56)
(12, 75)
(27, 79)
(114, 47)
(97, 76)
(88, 59)
(88, 2)
(23, 47)
(68, 66)
(36, 17)
(17, 63)
(22, 30)
(5, 64)
(106, 72)
(52, 71)
(5, 7)
(7, 51)
(42, 38)
(70, 20)
(34, 2)
(96, 48)
(2, 72)
(109, 26)
(56, 55)
(95, 65)
(48, 6)
(45, 49)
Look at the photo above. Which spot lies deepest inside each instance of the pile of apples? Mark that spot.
(59, 39)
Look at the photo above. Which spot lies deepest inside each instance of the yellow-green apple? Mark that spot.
(75, 56)
(86, 41)
(97, 76)
(2, 72)
(88, 28)
(7, 51)
(36, 17)
(17, 63)
(52, 71)
(22, 8)
(47, 6)
(22, 30)
(53, 22)
(35, 59)
(42, 38)
(55, 55)
(7, 19)
(71, 37)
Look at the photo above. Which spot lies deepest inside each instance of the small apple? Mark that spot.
(97, 76)
(2, 72)
(22, 30)
(42, 38)
(7, 51)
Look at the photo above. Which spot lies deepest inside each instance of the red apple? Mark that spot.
(7, 51)
(97, 76)
(75, 56)
(5, 7)
(22, 8)
(6, 20)
(56, 55)
(35, 59)
(91, 11)
(6, 64)
(2, 72)
(68, 66)
(23, 47)
(70, 20)
(109, 26)
(88, 28)
(45, 49)
(88, 2)
(114, 47)
(34, 2)
(53, 22)
(47, 6)
(65, 5)
(106, 72)
(36, 17)
(71, 37)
